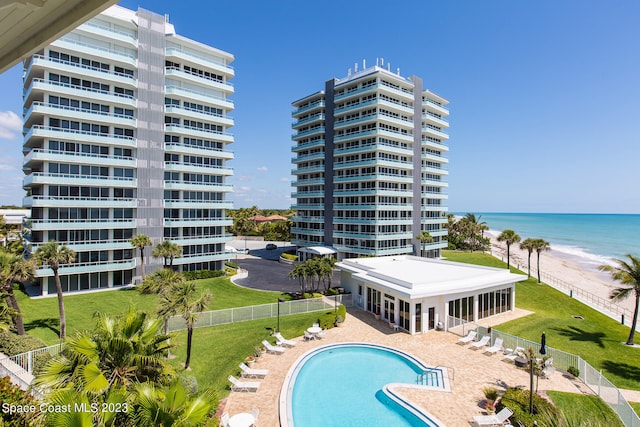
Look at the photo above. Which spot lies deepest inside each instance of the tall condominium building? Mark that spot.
(369, 165)
(126, 132)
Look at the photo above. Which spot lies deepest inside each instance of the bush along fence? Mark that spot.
(264, 311)
(590, 376)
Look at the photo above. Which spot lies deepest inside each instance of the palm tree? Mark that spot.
(55, 255)
(509, 237)
(14, 268)
(141, 241)
(167, 250)
(528, 245)
(299, 272)
(183, 300)
(627, 273)
(424, 238)
(162, 282)
(540, 246)
(7, 315)
(171, 405)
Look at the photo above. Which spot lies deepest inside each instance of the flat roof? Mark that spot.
(417, 277)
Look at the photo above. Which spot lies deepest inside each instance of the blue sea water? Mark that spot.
(591, 239)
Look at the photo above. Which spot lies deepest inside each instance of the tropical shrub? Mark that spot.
(518, 401)
(329, 319)
(572, 370)
(331, 291)
(231, 264)
(12, 344)
(203, 274)
(490, 393)
(11, 394)
(290, 257)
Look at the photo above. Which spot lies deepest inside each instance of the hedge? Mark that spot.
(328, 320)
(518, 401)
(203, 274)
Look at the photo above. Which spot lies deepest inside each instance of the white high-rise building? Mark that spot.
(126, 132)
(370, 165)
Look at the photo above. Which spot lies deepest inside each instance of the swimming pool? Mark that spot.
(352, 385)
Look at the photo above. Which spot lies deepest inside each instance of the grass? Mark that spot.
(635, 406)
(218, 350)
(41, 316)
(597, 338)
(581, 408)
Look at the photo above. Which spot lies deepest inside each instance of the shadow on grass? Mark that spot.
(53, 324)
(577, 334)
(621, 369)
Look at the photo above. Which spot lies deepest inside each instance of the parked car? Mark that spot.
(271, 246)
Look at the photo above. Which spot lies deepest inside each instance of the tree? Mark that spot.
(55, 255)
(162, 282)
(299, 272)
(14, 268)
(509, 237)
(103, 365)
(171, 405)
(540, 246)
(528, 245)
(627, 273)
(183, 300)
(167, 250)
(141, 241)
(424, 238)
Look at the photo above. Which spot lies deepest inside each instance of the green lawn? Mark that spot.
(597, 338)
(42, 320)
(218, 350)
(585, 408)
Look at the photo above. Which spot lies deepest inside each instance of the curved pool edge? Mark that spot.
(285, 408)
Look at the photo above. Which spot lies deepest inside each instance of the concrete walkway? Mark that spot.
(469, 371)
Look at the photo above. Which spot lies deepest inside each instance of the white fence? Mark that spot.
(590, 376)
(265, 311)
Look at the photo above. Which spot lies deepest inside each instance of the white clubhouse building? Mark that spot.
(415, 294)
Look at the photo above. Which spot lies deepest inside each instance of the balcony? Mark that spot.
(197, 186)
(310, 107)
(199, 79)
(400, 149)
(435, 145)
(74, 68)
(39, 131)
(91, 245)
(308, 145)
(198, 204)
(314, 118)
(200, 240)
(39, 155)
(96, 51)
(81, 224)
(111, 33)
(197, 258)
(196, 222)
(308, 169)
(318, 155)
(171, 147)
(201, 96)
(308, 132)
(96, 95)
(199, 132)
(40, 108)
(434, 132)
(89, 267)
(202, 169)
(307, 231)
(435, 106)
(78, 202)
(194, 113)
(211, 62)
(72, 179)
(355, 91)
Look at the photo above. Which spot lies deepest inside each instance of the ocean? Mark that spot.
(590, 239)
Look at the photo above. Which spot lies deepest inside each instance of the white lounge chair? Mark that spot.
(283, 341)
(248, 372)
(237, 385)
(224, 420)
(548, 368)
(272, 348)
(493, 420)
(484, 341)
(255, 412)
(496, 347)
(470, 337)
(518, 352)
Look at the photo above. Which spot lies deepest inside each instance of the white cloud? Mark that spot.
(10, 124)
(285, 179)
(263, 169)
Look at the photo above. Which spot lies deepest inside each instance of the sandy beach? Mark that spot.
(560, 267)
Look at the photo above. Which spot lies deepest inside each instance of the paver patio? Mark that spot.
(469, 370)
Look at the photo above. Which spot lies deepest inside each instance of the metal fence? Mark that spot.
(26, 360)
(590, 376)
(265, 311)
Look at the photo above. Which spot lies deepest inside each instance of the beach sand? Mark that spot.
(562, 268)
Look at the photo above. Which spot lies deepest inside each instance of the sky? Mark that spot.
(544, 95)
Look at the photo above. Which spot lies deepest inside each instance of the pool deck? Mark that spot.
(469, 370)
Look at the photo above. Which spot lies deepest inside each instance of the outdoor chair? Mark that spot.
(467, 339)
(255, 412)
(271, 348)
(237, 385)
(248, 372)
(496, 347)
(484, 341)
(224, 420)
(491, 420)
(518, 352)
(321, 334)
(283, 341)
(309, 336)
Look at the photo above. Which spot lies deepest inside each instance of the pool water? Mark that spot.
(342, 386)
